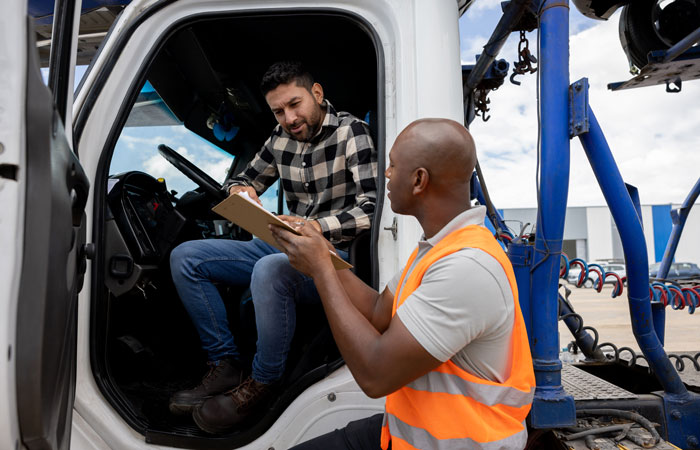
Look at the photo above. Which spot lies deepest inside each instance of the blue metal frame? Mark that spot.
(566, 113)
(678, 217)
(520, 255)
(682, 408)
(634, 246)
(495, 218)
(552, 406)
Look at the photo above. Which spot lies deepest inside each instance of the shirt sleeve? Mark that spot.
(393, 284)
(260, 173)
(458, 300)
(361, 161)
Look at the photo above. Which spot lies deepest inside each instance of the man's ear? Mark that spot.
(317, 92)
(421, 178)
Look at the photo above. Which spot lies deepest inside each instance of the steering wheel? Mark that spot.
(194, 173)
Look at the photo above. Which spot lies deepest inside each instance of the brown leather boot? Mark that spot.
(220, 378)
(219, 414)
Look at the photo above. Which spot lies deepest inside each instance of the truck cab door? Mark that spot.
(49, 190)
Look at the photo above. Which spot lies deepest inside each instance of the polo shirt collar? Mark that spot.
(473, 216)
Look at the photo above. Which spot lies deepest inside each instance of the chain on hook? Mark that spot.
(525, 59)
(481, 104)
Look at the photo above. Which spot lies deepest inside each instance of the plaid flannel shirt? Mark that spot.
(330, 179)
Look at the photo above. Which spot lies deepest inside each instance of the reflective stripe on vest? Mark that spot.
(401, 432)
(483, 393)
(449, 407)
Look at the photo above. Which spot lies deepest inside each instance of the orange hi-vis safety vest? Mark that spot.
(449, 408)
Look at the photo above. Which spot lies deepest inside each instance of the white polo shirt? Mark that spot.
(463, 309)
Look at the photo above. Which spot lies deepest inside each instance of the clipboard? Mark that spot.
(249, 215)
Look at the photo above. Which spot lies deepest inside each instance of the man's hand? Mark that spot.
(298, 223)
(235, 189)
(307, 253)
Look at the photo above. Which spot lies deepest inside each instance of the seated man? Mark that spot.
(327, 165)
(445, 341)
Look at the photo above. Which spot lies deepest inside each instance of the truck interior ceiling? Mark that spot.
(198, 116)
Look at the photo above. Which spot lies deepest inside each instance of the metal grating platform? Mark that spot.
(584, 386)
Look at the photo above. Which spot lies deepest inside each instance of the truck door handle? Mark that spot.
(394, 228)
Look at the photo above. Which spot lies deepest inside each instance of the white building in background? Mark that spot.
(590, 232)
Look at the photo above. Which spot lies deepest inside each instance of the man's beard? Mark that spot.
(312, 126)
(310, 131)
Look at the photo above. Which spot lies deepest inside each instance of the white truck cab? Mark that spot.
(93, 337)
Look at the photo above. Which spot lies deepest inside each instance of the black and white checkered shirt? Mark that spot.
(330, 179)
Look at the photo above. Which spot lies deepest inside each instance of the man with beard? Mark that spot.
(327, 165)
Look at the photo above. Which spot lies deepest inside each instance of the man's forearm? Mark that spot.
(352, 329)
(363, 297)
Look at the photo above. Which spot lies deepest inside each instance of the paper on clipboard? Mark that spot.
(249, 215)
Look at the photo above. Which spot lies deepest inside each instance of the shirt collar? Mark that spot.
(331, 119)
(473, 216)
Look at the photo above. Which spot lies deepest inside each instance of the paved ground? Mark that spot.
(610, 316)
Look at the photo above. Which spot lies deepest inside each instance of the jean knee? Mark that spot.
(184, 258)
(273, 274)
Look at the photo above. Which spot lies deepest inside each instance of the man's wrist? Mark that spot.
(229, 184)
(316, 225)
(324, 272)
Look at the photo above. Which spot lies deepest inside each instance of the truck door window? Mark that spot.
(151, 123)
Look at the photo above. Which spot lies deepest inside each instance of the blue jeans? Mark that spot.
(276, 288)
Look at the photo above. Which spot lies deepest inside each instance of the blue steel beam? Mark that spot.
(511, 16)
(551, 407)
(492, 213)
(681, 408)
(634, 247)
(678, 217)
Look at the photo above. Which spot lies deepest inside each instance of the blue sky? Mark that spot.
(651, 133)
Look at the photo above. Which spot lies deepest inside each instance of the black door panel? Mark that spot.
(57, 190)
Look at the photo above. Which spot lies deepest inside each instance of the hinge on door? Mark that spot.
(394, 228)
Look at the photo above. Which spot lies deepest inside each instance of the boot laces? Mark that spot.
(246, 391)
(212, 373)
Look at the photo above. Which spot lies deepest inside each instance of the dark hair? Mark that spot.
(285, 72)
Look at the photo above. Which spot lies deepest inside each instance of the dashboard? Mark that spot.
(145, 215)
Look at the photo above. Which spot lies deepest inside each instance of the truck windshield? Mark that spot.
(151, 123)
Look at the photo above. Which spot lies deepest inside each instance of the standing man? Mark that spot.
(445, 341)
(328, 169)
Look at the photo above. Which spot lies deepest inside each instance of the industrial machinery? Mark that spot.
(612, 390)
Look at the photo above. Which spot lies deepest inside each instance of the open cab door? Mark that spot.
(43, 191)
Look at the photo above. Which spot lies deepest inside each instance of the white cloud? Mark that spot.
(652, 134)
(137, 150)
(483, 5)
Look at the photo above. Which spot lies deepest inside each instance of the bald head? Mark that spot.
(443, 147)
(430, 165)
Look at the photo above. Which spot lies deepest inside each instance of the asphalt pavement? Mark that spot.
(611, 317)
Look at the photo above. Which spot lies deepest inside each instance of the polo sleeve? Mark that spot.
(393, 284)
(458, 300)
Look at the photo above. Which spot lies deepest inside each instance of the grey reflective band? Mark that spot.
(486, 394)
(422, 439)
